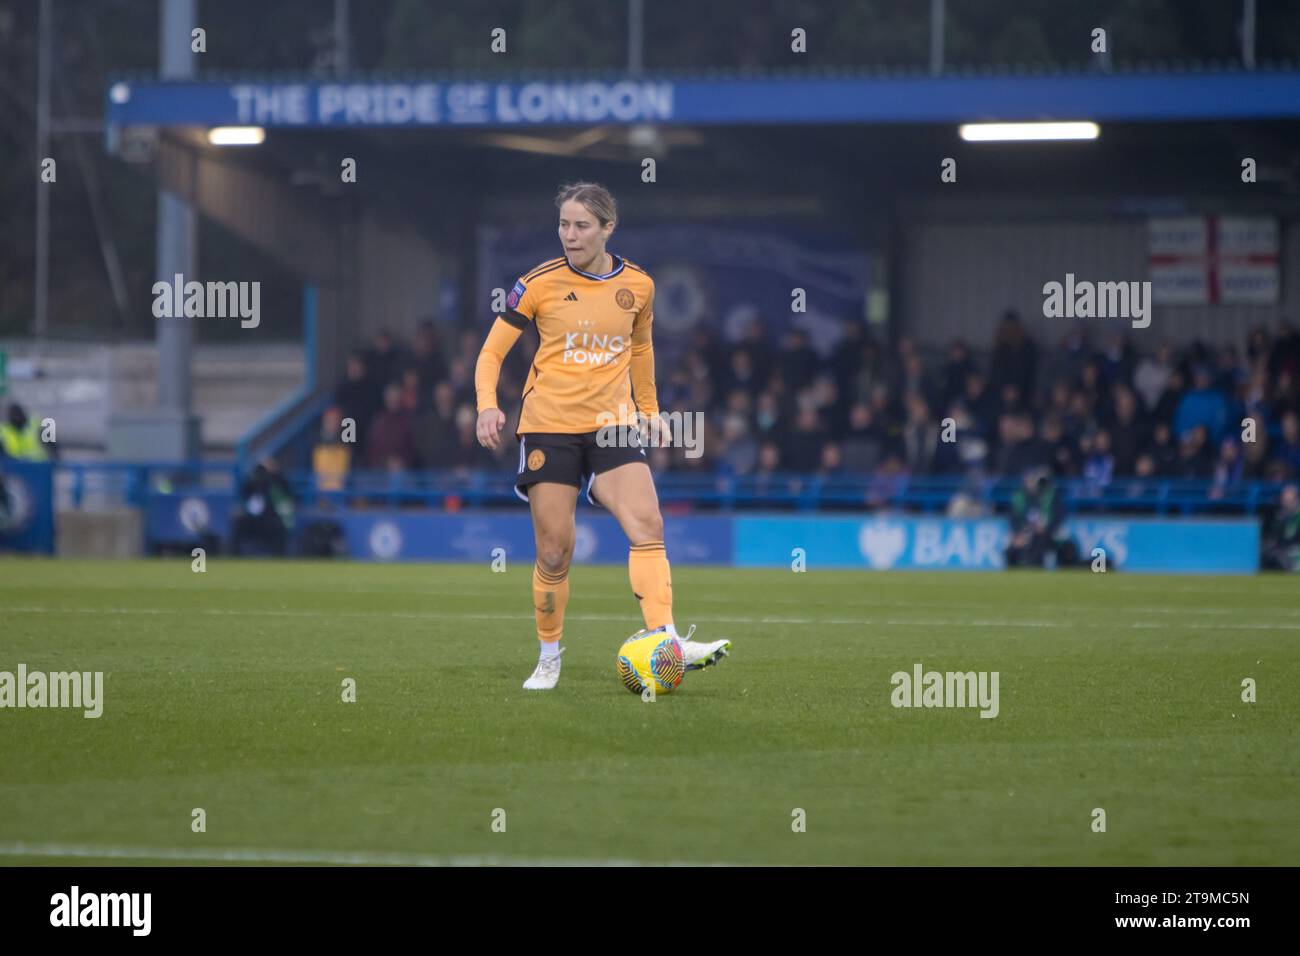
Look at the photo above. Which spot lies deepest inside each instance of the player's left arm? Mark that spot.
(642, 367)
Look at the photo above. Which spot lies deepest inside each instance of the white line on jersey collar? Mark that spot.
(591, 275)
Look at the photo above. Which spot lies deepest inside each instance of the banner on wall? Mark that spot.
(879, 542)
(1208, 260)
(716, 277)
(902, 542)
(27, 506)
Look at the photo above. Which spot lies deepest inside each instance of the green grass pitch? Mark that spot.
(223, 691)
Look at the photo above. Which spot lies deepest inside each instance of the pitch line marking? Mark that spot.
(322, 857)
(799, 621)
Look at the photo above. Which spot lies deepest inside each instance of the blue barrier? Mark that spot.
(877, 541)
(27, 513)
(901, 542)
(441, 516)
(811, 493)
(398, 536)
(138, 483)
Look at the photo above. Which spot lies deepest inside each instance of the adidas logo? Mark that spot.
(571, 297)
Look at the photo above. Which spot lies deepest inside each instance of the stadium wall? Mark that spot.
(959, 275)
(874, 541)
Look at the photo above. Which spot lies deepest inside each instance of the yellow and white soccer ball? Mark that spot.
(651, 659)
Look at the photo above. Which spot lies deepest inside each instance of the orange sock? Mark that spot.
(550, 595)
(652, 582)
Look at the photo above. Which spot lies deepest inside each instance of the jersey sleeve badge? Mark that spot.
(517, 293)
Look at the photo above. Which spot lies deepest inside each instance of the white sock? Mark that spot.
(672, 632)
(550, 649)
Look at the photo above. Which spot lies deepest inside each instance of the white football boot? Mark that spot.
(546, 675)
(697, 655)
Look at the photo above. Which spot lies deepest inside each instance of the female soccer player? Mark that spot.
(594, 365)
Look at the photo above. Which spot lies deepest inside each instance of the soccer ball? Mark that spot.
(650, 659)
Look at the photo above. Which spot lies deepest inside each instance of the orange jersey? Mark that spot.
(594, 340)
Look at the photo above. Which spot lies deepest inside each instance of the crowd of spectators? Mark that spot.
(1092, 410)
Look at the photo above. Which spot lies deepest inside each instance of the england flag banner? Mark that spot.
(1208, 260)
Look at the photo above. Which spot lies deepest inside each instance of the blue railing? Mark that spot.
(787, 491)
(86, 484)
(134, 483)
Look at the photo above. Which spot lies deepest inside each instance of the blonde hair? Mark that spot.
(596, 198)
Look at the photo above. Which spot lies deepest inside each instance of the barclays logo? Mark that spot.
(882, 542)
(1112, 536)
(921, 543)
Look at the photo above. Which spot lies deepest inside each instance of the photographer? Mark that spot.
(266, 512)
(1037, 518)
(1281, 538)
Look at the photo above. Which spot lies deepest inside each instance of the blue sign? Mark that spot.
(1219, 546)
(27, 513)
(879, 542)
(404, 536)
(902, 542)
(622, 100)
(183, 518)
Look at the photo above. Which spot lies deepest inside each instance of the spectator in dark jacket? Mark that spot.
(802, 450)
(1129, 437)
(390, 445)
(1164, 452)
(952, 380)
(1062, 453)
(435, 430)
(1015, 359)
(798, 362)
(920, 435)
(1020, 451)
(1230, 467)
(357, 397)
(427, 361)
(1195, 454)
(1167, 404)
(387, 359)
(1287, 449)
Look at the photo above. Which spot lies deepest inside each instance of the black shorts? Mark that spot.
(572, 459)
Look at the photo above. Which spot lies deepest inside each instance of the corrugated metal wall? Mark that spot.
(959, 276)
(399, 274)
(373, 270)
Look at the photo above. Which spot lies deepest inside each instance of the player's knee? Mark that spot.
(648, 528)
(553, 556)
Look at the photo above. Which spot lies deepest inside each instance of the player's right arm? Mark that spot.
(521, 305)
(487, 372)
